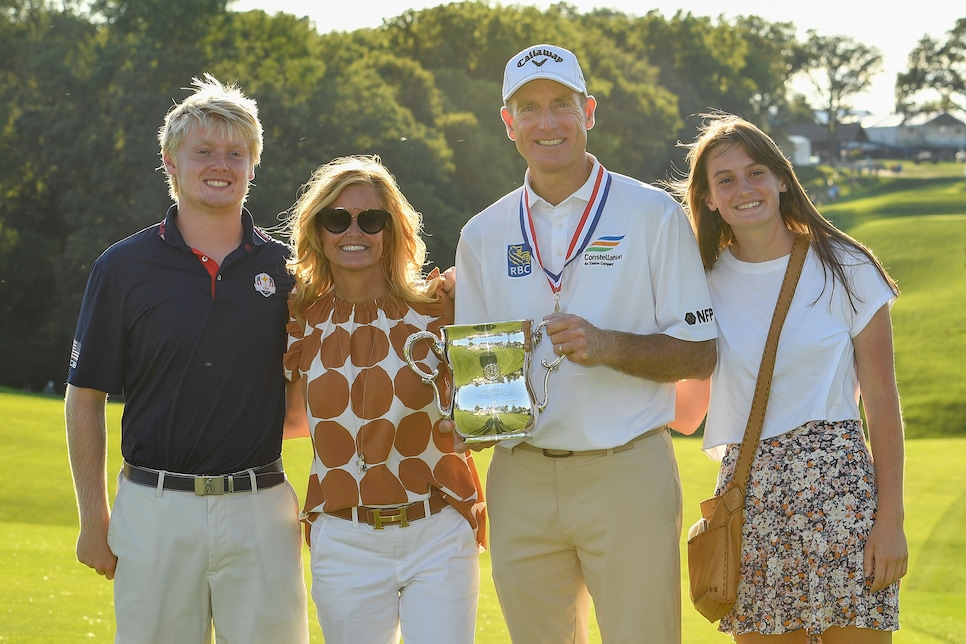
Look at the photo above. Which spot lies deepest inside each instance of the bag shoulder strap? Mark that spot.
(756, 418)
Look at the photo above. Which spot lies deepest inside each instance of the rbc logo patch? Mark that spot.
(518, 260)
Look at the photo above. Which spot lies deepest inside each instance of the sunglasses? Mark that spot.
(338, 220)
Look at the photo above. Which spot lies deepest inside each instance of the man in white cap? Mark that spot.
(589, 506)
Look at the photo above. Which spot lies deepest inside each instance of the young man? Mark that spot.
(590, 504)
(187, 319)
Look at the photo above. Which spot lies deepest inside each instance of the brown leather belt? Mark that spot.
(265, 476)
(402, 514)
(564, 453)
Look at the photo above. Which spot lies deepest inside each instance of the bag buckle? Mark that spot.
(378, 519)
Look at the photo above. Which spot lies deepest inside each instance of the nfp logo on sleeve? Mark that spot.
(518, 260)
(699, 317)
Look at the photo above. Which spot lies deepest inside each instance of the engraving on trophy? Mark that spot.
(491, 366)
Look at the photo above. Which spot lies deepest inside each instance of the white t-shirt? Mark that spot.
(815, 374)
(640, 272)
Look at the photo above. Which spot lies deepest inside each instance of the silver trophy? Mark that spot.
(492, 396)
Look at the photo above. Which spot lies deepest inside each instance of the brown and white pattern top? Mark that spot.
(374, 423)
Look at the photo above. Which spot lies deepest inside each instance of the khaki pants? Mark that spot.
(563, 530)
(187, 563)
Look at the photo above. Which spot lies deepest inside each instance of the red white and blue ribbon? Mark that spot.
(582, 235)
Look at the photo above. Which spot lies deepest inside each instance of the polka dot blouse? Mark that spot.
(374, 423)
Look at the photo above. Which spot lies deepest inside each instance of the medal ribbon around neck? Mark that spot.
(582, 235)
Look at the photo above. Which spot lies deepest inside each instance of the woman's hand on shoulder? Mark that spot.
(447, 283)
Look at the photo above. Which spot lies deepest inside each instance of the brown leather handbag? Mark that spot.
(714, 542)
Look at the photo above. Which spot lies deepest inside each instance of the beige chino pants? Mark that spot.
(563, 530)
(188, 563)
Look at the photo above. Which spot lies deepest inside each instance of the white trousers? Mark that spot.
(191, 564)
(421, 581)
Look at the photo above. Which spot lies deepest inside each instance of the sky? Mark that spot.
(893, 31)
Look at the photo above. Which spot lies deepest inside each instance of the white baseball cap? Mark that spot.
(543, 61)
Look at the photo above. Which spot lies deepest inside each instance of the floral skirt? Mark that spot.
(810, 505)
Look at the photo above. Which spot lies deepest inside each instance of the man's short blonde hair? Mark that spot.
(213, 106)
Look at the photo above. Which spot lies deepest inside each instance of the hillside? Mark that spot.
(917, 228)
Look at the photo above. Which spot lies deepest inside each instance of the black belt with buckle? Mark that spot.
(262, 477)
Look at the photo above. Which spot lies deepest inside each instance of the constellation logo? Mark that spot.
(699, 317)
(518, 260)
(601, 252)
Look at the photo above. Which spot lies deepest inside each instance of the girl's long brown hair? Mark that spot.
(721, 132)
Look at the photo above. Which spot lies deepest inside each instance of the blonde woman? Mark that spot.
(396, 516)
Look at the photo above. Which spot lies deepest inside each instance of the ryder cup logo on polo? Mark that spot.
(518, 260)
(264, 284)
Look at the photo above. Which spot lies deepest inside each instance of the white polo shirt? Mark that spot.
(639, 272)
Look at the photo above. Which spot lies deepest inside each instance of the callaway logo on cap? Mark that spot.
(543, 61)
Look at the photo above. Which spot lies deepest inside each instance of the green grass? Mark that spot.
(856, 181)
(927, 256)
(917, 228)
(951, 169)
(48, 597)
(899, 197)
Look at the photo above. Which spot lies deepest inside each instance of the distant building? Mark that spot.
(883, 130)
(934, 135)
(799, 150)
(931, 136)
(848, 136)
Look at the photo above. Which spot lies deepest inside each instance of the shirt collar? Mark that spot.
(582, 193)
(251, 235)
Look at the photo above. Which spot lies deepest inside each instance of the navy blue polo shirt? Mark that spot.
(197, 356)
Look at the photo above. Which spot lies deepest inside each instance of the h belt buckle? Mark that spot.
(400, 518)
(208, 485)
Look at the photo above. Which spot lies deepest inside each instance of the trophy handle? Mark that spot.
(428, 377)
(549, 366)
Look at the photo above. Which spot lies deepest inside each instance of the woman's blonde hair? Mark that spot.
(404, 250)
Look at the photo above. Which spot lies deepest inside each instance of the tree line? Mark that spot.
(84, 86)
